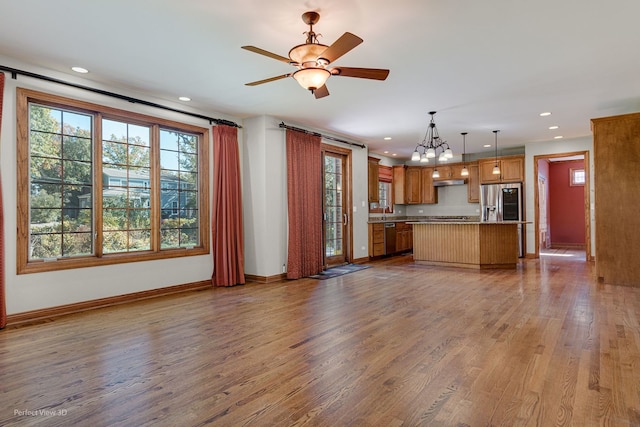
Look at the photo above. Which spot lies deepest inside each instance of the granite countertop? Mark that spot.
(467, 222)
(420, 219)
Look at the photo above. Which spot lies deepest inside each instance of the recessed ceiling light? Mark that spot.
(386, 152)
(80, 70)
(387, 138)
(394, 154)
(546, 113)
(184, 98)
(487, 145)
(557, 137)
(553, 127)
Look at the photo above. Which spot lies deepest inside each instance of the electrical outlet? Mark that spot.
(420, 211)
(284, 268)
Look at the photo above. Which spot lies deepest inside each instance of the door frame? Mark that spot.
(587, 195)
(348, 196)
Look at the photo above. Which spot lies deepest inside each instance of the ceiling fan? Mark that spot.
(312, 59)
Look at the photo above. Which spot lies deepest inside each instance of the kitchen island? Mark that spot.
(468, 244)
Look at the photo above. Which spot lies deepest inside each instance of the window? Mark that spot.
(385, 192)
(384, 196)
(577, 176)
(101, 186)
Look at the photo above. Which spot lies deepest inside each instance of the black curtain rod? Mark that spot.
(14, 75)
(282, 125)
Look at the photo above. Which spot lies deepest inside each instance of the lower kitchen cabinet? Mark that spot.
(403, 238)
(376, 239)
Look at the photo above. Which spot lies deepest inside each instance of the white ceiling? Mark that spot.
(482, 65)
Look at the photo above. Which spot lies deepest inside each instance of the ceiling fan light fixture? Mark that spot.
(308, 52)
(312, 78)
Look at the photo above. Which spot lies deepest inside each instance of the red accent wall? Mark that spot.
(566, 205)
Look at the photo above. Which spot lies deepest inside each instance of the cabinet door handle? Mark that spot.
(346, 219)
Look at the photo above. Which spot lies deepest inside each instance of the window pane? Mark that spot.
(76, 124)
(168, 140)
(138, 135)
(77, 148)
(114, 219)
(114, 153)
(140, 219)
(77, 244)
(77, 172)
(46, 196)
(169, 160)
(115, 241)
(46, 170)
(45, 119)
(58, 162)
(114, 131)
(45, 144)
(42, 246)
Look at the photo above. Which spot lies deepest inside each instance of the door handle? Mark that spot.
(346, 219)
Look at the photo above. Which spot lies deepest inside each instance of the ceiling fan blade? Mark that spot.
(270, 79)
(321, 92)
(267, 53)
(341, 46)
(363, 73)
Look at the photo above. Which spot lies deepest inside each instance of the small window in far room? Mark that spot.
(385, 191)
(577, 176)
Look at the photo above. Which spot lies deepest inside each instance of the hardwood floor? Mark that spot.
(396, 344)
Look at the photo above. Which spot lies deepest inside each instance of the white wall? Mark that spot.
(28, 292)
(265, 196)
(533, 149)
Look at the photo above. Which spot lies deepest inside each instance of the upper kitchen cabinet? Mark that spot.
(473, 184)
(413, 185)
(373, 180)
(429, 192)
(398, 184)
(511, 169)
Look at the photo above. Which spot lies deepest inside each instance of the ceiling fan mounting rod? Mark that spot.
(311, 18)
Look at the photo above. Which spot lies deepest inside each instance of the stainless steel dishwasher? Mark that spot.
(389, 237)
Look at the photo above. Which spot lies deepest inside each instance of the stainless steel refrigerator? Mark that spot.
(503, 202)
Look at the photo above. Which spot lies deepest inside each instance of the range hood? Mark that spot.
(447, 182)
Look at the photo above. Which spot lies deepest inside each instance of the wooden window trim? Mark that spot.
(24, 266)
(572, 176)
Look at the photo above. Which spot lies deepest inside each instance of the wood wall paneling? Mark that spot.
(616, 146)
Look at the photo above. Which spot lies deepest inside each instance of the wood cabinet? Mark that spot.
(473, 184)
(511, 169)
(376, 239)
(413, 185)
(453, 171)
(373, 170)
(429, 192)
(404, 237)
(616, 142)
(399, 184)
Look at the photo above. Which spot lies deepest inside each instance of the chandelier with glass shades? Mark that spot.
(430, 145)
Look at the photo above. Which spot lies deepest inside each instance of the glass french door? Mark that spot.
(336, 215)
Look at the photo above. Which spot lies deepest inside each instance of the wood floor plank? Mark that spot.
(395, 344)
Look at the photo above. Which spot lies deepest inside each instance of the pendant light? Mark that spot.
(464, 171)
(496, 168)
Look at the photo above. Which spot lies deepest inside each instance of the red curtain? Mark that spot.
(3, 305)
(304, 191)
(226, 227)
